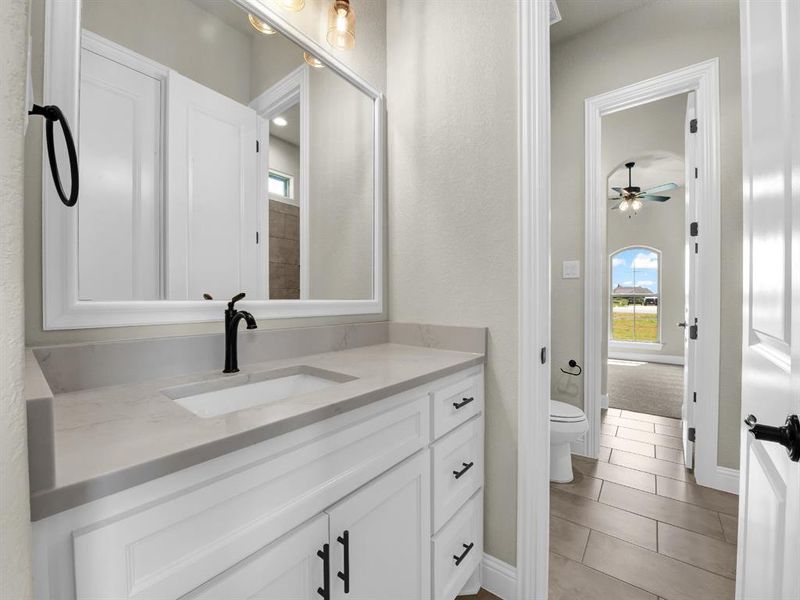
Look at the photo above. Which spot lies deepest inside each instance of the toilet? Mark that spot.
(567, 424)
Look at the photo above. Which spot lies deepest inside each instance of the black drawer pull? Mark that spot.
(467, 548)
(467, 467)
(325, 555)
(344, 540)
(463, 403)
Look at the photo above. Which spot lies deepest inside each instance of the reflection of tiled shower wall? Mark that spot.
(284, 251)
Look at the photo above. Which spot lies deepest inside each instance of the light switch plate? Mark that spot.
(571, 269)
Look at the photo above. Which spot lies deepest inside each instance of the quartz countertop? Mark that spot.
(108, 439)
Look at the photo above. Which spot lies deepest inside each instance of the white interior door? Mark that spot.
(769, 515)
(380, 537)
(119, 215)
(213, 194)
(287, 569)
(690, 273)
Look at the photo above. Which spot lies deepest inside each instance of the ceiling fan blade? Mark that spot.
(615, 207)
(618, 190)
(654, 198)
(615, 198)
(664, 187)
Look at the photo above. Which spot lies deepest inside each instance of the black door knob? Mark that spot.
(787, 436)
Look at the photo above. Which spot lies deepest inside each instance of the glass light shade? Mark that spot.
(295, 5)
(260, 25)
(623, 206)
(313, 61)
(636, 204)
(342, 25)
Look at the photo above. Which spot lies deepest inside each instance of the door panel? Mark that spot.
(388, 536)
(769, 515)
(119, 215)
(213, 194)
(288, 569)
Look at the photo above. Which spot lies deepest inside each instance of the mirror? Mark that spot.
(217, 156)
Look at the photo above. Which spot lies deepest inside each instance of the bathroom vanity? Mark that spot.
(367, 484)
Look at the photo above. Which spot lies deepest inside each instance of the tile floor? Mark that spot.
(635, 525)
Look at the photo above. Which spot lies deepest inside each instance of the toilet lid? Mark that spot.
(565, 413)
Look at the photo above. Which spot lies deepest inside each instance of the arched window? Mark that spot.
(635, 295)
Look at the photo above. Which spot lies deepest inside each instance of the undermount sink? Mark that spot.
(247, 390)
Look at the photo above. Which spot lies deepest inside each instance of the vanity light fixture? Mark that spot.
(259, 25)
(280, 121)
(341, 25)
(293, 5)
(313, 61)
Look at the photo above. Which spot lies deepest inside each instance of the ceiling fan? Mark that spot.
(630, 198)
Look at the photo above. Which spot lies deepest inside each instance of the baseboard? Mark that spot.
(499, 578)
(724, 479)
(653, 358)
(603, 401)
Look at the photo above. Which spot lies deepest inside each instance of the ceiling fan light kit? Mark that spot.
(630, 198)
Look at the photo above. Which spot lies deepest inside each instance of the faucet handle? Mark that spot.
(235, 299)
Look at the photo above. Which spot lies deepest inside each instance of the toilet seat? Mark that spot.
(561, 412)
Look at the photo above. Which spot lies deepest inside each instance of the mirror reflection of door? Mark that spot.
(192, 186)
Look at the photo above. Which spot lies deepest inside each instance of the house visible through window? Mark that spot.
(280, 184)
(635, 295)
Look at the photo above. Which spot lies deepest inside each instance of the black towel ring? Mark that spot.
(572, 365)
(53, 113)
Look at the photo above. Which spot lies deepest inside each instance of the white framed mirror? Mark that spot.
(215, 159)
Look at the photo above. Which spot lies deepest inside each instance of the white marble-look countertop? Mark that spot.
(108, 439)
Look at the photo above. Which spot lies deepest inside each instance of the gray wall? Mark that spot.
(452, 72)
(368, 59)
(15, 539)
(658, 38)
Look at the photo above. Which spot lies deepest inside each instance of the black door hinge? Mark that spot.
(258, 146)
(256, 237)
(543, 355)
(694, 229)
(693, 126)
(695, 172)
(693, 331)
(691, 434)
(694, 396)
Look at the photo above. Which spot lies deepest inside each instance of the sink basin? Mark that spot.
(247, 390)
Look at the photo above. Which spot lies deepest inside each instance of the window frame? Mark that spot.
(286, 179)
(656, 344)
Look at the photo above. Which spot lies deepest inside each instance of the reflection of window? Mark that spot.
(635, 295)
(280, 184)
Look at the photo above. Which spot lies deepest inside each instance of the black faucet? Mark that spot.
(232, 318)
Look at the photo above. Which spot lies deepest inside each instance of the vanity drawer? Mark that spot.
(172, 545)
(456, 403)
(457, 469)
(462, 539)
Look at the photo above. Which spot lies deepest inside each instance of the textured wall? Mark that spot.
(368, 59)
(597, 62)
(452, 77)
(15, 528)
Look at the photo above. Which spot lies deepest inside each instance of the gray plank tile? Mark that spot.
(658, 439)
(568, 539)
(697, 494)
(661, 508)
(656, 573)
(630, 423)
(730, 525)
(670, 454)
(618, 443)
(699, 550)
(608, 429)
(637, 416)
(570, 580)
(608, 472)
(649, 465)
(582, 485)
(669, 430)
(625, 525)
(605, 454)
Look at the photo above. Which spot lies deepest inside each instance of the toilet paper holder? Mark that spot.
(573, 364)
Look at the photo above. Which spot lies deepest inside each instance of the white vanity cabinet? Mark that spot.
(378, 498)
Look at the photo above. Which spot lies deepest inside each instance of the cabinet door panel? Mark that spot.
(288, 569)
(388, 526)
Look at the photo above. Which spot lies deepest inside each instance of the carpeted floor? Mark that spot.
(651, 388)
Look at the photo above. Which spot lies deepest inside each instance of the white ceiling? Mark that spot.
(578, 16)
(651, 169)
